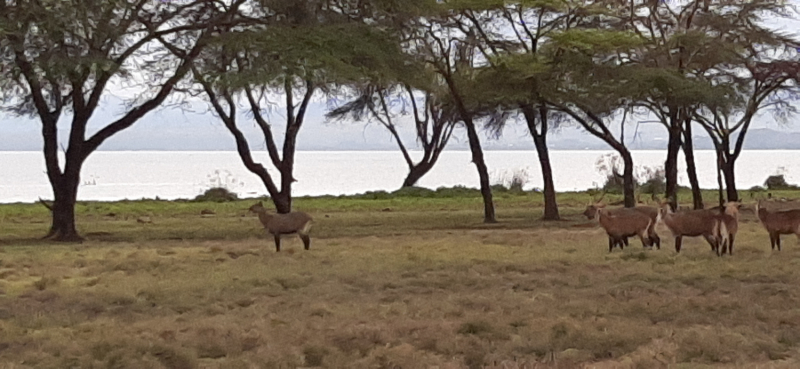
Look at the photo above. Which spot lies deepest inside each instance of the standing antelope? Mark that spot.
(692, 223)
(296, 222)
(729, 226)
(621, 224)
(778, 222)
(649, 211)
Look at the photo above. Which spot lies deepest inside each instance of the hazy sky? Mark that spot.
(175, 129)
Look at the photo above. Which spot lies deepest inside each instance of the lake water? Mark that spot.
(115, 175)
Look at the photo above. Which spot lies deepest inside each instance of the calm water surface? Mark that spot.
(115, 175)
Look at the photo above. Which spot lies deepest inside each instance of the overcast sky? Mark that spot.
(196, 129)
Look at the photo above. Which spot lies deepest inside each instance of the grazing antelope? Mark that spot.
(693, 223)
(649, 211)
(778, 222)
(621, 224)
(296, 222)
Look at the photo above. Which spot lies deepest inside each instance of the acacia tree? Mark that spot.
(518, 30)
(434, 40)
(689, 51)
(295, 50)
(433, 121)
(59, 58)
(770, 84)
(758, 70)
(589, 69)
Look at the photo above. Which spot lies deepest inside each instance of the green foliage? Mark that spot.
(778, 182)
(217, 194)
(414, 191)
(652, 181)
(324, 53)
(373, 195)
(596, 41)
(513, 181)
(457, 191)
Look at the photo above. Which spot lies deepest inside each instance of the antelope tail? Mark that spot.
(722, 231)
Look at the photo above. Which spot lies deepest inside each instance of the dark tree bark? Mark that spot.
(415, 172)
(475, 147)
(720, 191)
(628, 182)
(540, 142)
(691, 168)
(483, 171)
(730, 180)
(671, 164)
(65, 192)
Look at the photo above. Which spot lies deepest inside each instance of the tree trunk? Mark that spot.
(691, 169)
(720, 194)
(477, 152)
(415, 172)
(65, 193)
(550, 204)
(671, 165)
(730, 179)
(540, 142)
(283, 202)
(483, 172)
(628, 183)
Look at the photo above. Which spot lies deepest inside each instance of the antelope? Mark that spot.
(621, 224)
(296, 222)
(778, 222)
(729, 226)
(649, 211)
(693, 223)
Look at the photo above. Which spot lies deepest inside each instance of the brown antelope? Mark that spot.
(296, 222)
(621, 224)
(649, 211)
(729, 226)
(693, 223)
(778, 222)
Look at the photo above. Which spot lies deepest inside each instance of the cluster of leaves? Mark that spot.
(649, 180)
(778, 182)
(217, 194)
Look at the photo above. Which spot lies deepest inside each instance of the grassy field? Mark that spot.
(389, 282)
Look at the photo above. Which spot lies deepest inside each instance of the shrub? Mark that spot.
(513, 181)
(457, 191)
(614, 184)
(652, 180)
(414, 191)
(610, 165)
(374, 195)
(217, 194)
(778, 182)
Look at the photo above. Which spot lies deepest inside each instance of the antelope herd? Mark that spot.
(718, 225)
